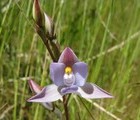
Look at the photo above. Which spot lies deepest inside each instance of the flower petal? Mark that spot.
(66, 90)
(80, 71)
(68, 57)
(48, 105)
(90, 90)
(34, 86)
(57, 73)
(37, 89)
(48, 94)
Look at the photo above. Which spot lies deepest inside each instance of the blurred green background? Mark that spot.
(103, 33)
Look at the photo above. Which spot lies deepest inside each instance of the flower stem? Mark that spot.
(65, 107)
(45, 40)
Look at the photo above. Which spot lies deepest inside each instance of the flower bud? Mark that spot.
(38, 14)
(49, 26)
(43, 20)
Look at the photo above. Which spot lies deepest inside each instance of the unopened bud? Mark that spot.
(49, 26)
(38, 14)
(43, 20)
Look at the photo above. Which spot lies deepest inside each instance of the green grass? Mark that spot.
(104, 33)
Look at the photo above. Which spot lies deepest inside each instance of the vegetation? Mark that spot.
(103, 33)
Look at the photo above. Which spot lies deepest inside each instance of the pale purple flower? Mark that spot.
(69, 76)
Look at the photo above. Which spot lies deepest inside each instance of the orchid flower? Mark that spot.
(69, 76)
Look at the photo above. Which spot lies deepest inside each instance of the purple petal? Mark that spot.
(48, 105)
(57, 73)
(93, 91)
(80, 71)
(34, 86)
(66, 90)
(37, 89)
(68, 57)
(48, 94)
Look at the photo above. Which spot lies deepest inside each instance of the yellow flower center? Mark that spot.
(68, 70)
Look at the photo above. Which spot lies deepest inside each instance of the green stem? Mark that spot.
(65, 107)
